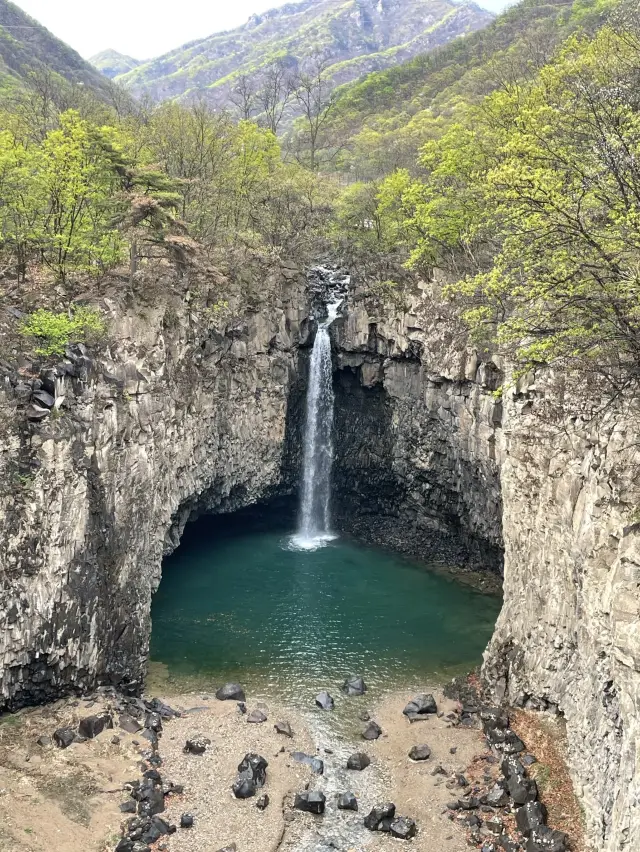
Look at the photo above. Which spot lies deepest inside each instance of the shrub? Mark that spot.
(55, 331)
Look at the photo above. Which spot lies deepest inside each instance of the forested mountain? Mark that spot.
(111, 63)
(382, 120)
(26, 46)
(354, 37)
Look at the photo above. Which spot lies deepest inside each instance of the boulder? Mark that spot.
(253, 767)
(284, 728)
(63, 737)
(544, 839)
(347, 802)
(256, 717)
(420, 752)
(197, 745)
(244, 788)
(522, 789)
(129, 723)
(358, 761)
(91, 726)
(263, 802)
(128, 807)
(372, 731)
(36, 412)
(157, 829)
(421, 707)
(42, 398)
(403, 828)
(152, 804)
(312, 802)
(324, 701)
(497, 797)
(153, 721)
(186, 821)
(354, 685)
(531, 815)
(511, 766)
(231, 692)
(492, 718)
(377, 815)
(469, 803)
(506, 741)
(317, 765)
(125, 845)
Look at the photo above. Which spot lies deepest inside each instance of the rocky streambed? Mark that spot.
(194, 773)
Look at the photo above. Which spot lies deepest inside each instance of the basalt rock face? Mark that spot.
(185, 411)
(425, 443)
(418, 426)
(568, 637)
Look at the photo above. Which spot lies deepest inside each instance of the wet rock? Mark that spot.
(522, 789)
(256, 717)
(497, 797)
(403, 828)
(186, 821)
(544, 839)
(231, 692)
(284, 728)
(244, 788)
(530, 816)
(324, 701)
(253, 767)
(372, 731)
(197, 745)
(63, 737)
(377, 815)
(354, 685)
(358, 761)
(312, 802)
(263, 802)
(347, 802)
(421, 707)
(420, 752)
(317, 765)
(91, 726)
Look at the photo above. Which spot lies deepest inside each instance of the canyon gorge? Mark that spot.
(196, 406)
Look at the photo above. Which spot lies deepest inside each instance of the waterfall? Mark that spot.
(315, 504)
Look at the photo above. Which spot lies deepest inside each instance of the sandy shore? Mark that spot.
(68, 800)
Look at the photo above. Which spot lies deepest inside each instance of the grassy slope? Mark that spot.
(112, 64)
(345, 30)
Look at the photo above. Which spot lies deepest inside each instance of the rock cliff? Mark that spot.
(185, 409)
(196, 405)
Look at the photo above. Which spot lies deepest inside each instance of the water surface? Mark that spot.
(237, 603)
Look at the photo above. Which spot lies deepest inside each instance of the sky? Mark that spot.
(147, 28)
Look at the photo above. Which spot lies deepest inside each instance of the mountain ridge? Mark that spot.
(369, 34)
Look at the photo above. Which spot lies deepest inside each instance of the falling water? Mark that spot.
(315, 508)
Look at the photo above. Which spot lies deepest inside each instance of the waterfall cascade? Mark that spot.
(315, 506)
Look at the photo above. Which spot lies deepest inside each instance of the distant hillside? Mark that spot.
(26, 45)
(383, 120)
(355, 36)
(112, 64)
